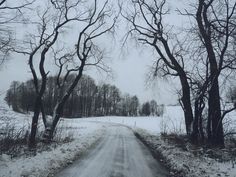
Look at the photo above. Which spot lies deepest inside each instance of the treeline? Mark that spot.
(87, 100)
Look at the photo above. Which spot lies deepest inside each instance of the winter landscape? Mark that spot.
(137, 88)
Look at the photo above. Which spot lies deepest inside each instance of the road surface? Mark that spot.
(119, 154)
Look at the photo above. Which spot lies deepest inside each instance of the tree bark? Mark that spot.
(214, 125)
(34, 124)
(186, 100)
(195, 132)
(214, 113)
(186, 97)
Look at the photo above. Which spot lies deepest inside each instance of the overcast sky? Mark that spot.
(129, 70)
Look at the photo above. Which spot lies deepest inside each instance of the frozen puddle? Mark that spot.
(119, 154)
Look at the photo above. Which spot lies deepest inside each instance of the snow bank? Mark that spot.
(46, 162)
(184, 162)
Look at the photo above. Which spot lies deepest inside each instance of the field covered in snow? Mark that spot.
(171, 122)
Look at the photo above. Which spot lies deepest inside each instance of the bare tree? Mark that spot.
(51, 22)
(146, 23)
(199, 97)
(153, 107)
(215, 37)
(217, 27)
(98, 22)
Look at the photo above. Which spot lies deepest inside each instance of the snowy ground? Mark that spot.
(85, 134)
(171, 122)
(87, 131)
(46, 162)
(189, 161)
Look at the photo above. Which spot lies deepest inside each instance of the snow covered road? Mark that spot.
(119, 154)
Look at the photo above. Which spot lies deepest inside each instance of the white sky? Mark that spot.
(129, 70)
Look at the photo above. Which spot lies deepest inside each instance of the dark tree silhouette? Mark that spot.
(216, 26)
(99, 21)
(146, 23)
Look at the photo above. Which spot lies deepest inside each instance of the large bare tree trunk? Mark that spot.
(216, 136)
(195, 132)
(34, 123)
(214, 125)
(186, 100)
(186, 97)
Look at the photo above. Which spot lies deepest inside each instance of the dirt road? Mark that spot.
(119, 154)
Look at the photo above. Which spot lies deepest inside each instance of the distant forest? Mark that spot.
(87, 100)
